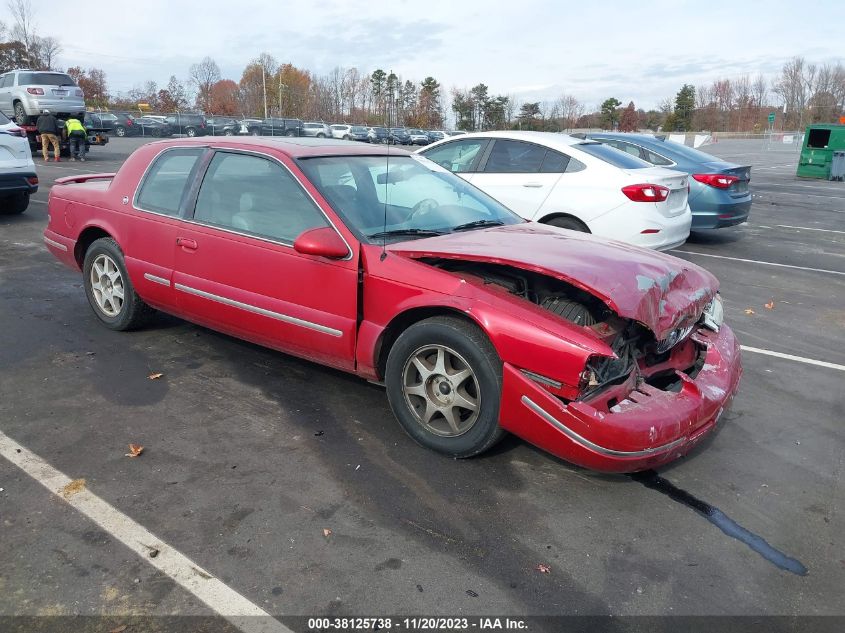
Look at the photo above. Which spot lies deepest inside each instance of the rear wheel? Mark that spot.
(109, 289)
(568, 222)
(15, 204)
(443, 380)
(20, 114)
(228, 133)
(120, 131)
(321, 135)
(191, 132)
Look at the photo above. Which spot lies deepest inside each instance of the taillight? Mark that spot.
(719, 181)
(646, 193)
(35, 91)
(129, 122)
(15, 131)
(33, 180)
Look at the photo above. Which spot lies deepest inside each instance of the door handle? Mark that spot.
(190, 245)
(533, 185)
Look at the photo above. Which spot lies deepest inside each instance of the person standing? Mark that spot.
(77, 137)
(48, 129)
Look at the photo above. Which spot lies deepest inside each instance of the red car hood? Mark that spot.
(657, 290)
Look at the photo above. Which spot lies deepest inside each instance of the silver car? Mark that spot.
(25, 94)
(316, 130)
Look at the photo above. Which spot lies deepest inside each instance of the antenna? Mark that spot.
(386, 182)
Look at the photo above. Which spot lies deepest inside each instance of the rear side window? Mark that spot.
(458, 156)
(515, 157)
(554, 163)
(253, 195)
(613, 156)
(165, 182)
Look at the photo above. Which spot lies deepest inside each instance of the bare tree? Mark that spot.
(46, 49)
(24, 21)
(760, 90)
(204, 75)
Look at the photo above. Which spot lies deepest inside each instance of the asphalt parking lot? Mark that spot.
(252, 457)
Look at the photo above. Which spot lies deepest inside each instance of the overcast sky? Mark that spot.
(640, 50)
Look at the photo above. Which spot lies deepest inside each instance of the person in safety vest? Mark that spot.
(78, 138)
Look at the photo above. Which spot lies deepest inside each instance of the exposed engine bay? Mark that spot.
(638, 353)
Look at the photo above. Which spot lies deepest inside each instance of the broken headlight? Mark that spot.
(713, 314)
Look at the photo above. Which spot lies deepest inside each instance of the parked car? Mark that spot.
(359, 133)
(399, 136)
(478, 323)
(152, 126)
(222, 126)
(277, 127)
(436, 135)
(316, 130)
(25, 94)
(247, 124)
(418, 137)
(573, 183)
(187, 124)
(18, 179)
(115, 123)
(719, 195)
(378, 134)
(340, 130)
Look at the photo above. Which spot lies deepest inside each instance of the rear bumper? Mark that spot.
(61, 247)
(13, 183)
(628, 221)
(652, 427)
(36, 104)
(712, 215)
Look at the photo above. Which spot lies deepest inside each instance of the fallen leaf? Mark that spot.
(544, 569)
(135, 450)
(77, 485)
(770, 305)
(749, 311)
(327, 532)
(119, 629)
(155, 376)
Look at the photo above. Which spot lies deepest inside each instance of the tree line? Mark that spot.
(806, 93)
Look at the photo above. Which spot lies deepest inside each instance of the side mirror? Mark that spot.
(322, 242)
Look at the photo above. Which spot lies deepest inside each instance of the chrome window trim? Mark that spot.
(264, 238)
(323, 329)
(157, 280)
(575, 437)
(61, 247)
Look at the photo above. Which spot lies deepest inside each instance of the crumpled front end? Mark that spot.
(650, 418)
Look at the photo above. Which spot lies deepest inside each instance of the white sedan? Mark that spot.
(17, 170)
(573, 183)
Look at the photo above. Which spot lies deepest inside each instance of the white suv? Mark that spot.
(17, 171)
(25, 94)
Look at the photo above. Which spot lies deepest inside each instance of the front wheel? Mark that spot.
(109, 289)
(14, 205)
(228, 133)
(321, 135)
(443, 380)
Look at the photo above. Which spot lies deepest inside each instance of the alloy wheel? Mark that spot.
(107, 285)
(441, 390)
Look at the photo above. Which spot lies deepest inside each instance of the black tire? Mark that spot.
(20, 114)
(568, 222)
(120, 131)
(190, 132)
(133, 312)
(346, 137)
(321, 135)
(228, 133)
(15, 204)
(474, 348)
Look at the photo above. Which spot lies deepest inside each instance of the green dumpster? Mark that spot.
(820, 141)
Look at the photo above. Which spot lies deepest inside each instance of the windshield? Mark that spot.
(374, 194)
(611, 155)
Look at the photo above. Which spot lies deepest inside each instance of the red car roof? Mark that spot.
(296, 147)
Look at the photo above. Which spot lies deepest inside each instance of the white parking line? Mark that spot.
(221, 598)
(757, 261)
(800, 359)
(807, 228)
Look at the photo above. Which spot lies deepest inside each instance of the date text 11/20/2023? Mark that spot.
(417, 624)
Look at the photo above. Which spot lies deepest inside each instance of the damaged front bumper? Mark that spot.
(650, 427)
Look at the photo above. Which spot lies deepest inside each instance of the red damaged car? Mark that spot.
(383, 264)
